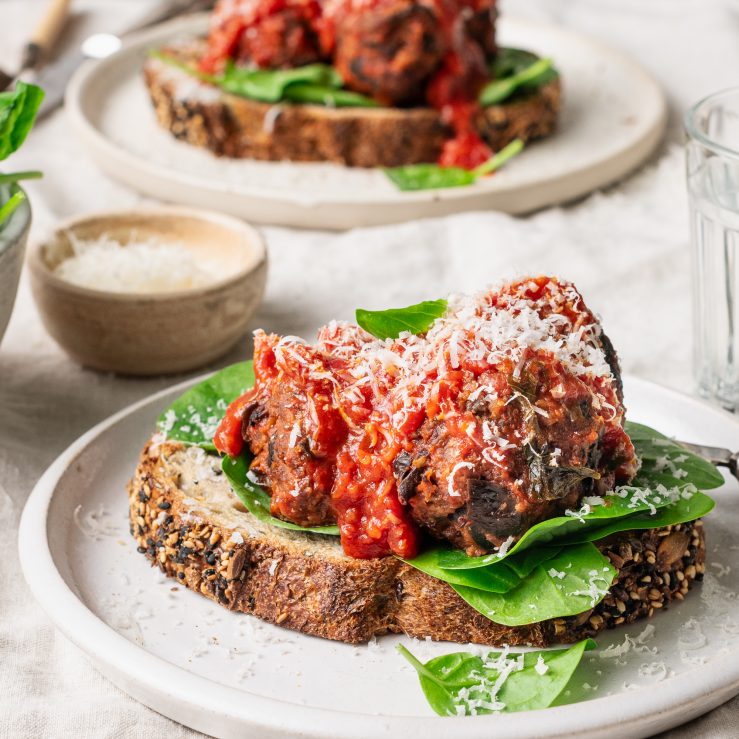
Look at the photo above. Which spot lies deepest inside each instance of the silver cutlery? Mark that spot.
(716, 455)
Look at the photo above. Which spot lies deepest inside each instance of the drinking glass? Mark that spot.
(712, 127)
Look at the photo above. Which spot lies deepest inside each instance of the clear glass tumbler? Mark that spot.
(712, 158)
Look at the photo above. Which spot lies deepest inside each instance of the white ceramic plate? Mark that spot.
(613, 116)
(231, 675)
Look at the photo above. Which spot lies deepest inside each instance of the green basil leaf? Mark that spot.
(316, 94)
(18, 108)
(390, 323)
(257, 501)
(499, 90)
(194, 416)
(463, 684)
(499, 577)
(571, 582)
(665, 462)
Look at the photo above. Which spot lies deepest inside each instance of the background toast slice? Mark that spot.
(237, 127)
(190, 524)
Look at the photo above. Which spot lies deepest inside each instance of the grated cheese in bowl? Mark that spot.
(139, 266)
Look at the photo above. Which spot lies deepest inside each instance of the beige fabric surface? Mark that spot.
(627, 249)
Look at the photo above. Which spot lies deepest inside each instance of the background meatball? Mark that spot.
(262, 33)
(388, 52)
(283, 40)
(480, 25)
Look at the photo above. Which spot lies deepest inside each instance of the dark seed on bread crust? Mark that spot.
(305, 582)
(236, 127)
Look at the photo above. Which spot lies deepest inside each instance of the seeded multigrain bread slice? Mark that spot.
(187, 522)
(232, 126)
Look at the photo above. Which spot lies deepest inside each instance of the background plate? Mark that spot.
(613, 116)
(232, 675)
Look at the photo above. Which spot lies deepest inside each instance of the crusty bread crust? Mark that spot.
(188, 523)
(236, 127)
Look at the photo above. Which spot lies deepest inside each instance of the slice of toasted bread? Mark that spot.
(232, 126)
(188, 522)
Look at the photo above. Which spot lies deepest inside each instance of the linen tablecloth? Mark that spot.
(626, 249)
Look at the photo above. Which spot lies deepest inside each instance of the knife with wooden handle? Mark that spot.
(42, 40)
(53, 78)
(46, 34)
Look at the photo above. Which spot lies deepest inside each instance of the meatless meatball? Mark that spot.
(294, 430)
(477, 500)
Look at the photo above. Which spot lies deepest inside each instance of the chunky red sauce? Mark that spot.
(339, 428)
(283, 33)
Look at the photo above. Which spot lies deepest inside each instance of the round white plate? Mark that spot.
(231, 675)
(613, 116)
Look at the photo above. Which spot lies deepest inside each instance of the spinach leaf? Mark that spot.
(664, 461)
(317, 84)
(571, 582)
(257, 501)
(499, 90)
(271, 85)
(18, 110)
(509, 61)
(464, 684)
(315, 94)
(683, 511)
(499, 577)
(427, 176)
(194, 416)
(390, 323)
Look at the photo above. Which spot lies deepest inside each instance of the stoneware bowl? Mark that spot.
(13, 235)
(152, 333)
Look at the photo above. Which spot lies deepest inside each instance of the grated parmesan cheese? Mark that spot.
(139, 266)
